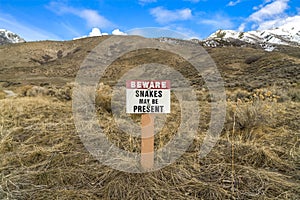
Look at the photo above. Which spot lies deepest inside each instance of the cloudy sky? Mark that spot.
(67, 19)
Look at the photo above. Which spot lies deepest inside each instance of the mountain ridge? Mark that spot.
(286, 34)
(8, 37)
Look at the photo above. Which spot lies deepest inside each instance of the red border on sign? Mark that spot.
(141, 84)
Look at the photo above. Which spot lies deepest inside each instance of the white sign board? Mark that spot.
(145, 96)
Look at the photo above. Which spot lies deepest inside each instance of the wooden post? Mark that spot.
(147, 146)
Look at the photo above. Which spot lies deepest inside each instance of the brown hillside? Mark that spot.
(42, 156)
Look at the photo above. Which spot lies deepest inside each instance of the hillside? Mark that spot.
(42, 156)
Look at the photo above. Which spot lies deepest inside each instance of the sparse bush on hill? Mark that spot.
(36, 91)
(103, 96)
(61, 93)
(249, 118)
(265, 94)
(253, 115)
(2, 94)
(238, 94)
(294, 94)
(59, 54)
(252, 59)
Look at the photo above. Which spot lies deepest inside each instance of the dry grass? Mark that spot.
(294, 94)
(2, 94)
(42, 157)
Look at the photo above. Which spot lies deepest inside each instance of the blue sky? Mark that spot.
(67, 19)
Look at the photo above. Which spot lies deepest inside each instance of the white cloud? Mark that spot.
(242, 27)
(164, 16)
(270, 24)
(144, 2)
(233, 3)
(270, 10)
(262, 5)
(92, 17)
(188, 33)
(70, 28)
(26, 31)
(270, 14)
(289, 22)
(95, 32)
(118, 32)
(218, 22)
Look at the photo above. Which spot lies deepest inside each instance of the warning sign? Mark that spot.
(143, 96)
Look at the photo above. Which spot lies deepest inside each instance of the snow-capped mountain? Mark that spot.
(9, 37)
(287, 34)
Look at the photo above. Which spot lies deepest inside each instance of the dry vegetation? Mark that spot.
(257, 156)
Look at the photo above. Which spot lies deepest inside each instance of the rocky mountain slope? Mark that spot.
(287, 34)
(7, 37)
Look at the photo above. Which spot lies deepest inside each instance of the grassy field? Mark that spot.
(42, 156)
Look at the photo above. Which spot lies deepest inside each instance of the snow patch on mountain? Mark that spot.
(7, 37)
(286, 34)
